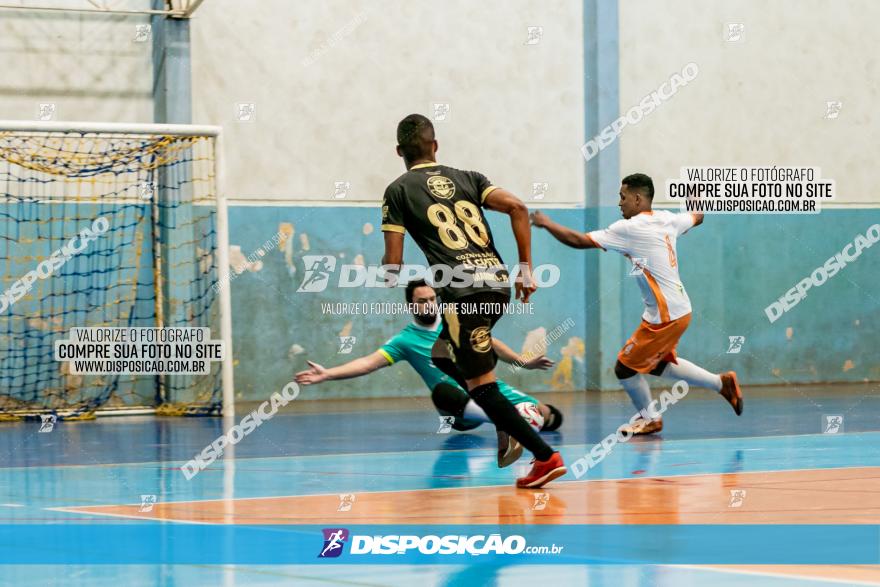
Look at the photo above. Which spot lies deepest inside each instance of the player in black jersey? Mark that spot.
(442, 209)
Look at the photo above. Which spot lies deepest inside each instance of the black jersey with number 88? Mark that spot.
(441, 208)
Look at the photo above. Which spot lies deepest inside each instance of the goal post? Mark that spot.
(110, 225)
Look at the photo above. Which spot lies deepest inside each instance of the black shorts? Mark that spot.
(467, 331)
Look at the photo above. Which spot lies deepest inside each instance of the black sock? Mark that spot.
(506, 418)
(447, 365)
(449, 399)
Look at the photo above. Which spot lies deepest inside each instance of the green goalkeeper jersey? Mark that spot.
(413, 344)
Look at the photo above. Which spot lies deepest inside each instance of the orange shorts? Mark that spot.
(652, 343)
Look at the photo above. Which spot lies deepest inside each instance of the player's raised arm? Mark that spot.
(696, 217)
(355, 368)
(684, 221)
(503, 201)
(508, 355)
(565, 235)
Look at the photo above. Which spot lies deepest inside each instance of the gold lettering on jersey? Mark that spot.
(484, 268)
(481, 339)
(490, 277)
(479, 259)
(442, 187)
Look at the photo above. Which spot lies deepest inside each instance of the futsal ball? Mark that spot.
(532, 415)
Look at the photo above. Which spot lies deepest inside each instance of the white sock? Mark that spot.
(637, 389)
(474, 412)
(693, 374)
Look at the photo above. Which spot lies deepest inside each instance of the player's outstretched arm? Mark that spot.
(508, 355)
(356, 368)
(565, 235)
(503, 201)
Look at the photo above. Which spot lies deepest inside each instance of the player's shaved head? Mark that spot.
(636, 194)
(415, 138)
(641, 182)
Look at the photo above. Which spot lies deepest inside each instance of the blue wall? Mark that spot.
(735, 266)
(732, 266)
(269, 315)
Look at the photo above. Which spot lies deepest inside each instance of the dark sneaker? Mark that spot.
(731, 392)
(509, 450)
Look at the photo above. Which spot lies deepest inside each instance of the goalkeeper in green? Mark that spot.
(413, 344)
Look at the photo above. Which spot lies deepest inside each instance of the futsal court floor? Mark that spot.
(389, 456)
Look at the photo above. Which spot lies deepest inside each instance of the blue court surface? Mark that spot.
(295, 469)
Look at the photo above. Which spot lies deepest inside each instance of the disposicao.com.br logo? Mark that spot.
(322, 271)
(334, 540)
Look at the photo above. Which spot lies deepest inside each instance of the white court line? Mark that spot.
(73, 510)
(76, 508)
(165, 464)
(777, 574)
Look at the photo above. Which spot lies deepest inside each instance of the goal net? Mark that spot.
(106, 228)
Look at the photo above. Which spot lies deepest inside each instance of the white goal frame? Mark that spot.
(184, 130)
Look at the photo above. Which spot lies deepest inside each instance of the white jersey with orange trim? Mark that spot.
(648, 240)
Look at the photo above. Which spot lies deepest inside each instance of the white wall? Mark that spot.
(331, 79)
(760, 101)
(87, 65)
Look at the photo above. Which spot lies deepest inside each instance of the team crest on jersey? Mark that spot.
(481, 339)
(442, 187)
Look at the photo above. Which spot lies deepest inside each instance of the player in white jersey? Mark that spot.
(648, 238)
